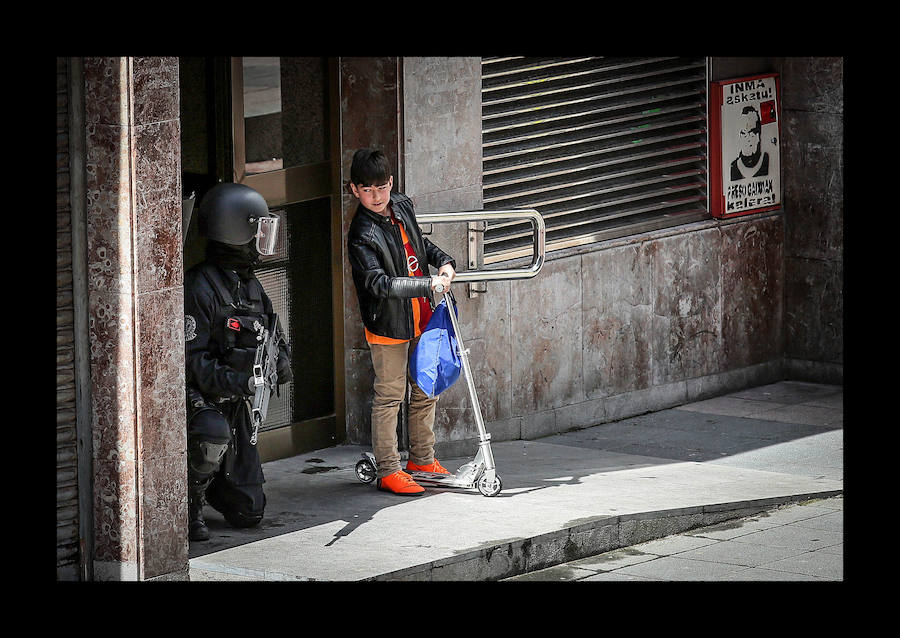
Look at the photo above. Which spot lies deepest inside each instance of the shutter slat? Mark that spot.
(553, 160)
(611, 137)
(569, 124)
(581, 212)
(548, 92)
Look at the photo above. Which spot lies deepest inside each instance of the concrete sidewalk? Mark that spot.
(565, 497)
(794, 542)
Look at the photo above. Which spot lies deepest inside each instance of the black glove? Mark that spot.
(283, 369)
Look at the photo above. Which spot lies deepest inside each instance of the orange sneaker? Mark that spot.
(434, 467)
(400, 483)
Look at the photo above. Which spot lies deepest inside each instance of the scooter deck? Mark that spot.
(436, 478)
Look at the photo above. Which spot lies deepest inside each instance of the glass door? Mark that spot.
(284, 114)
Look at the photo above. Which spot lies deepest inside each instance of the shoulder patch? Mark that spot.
(190, 328)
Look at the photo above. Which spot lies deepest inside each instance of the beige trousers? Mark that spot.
(391, 364)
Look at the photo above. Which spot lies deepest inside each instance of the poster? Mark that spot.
(745, 161)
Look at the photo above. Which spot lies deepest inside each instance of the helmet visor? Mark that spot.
(266, 234)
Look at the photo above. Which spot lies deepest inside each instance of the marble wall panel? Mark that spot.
(354, 337)
(111, 330)
(811, 84)
(114, 441)
(157, 203)
(115, 511)
(813, 161)
(547, 346)
(359, 391)
(442, 123)
(617, 312)
(160, 373)
(107, 91)
(814, 310)
(155, 90)
(160, 316)
(664, 316)
(369, 110)
(752, 291)
(131, 91)
(107, 184)
(686, 322)
(485, 329)
(164, 519)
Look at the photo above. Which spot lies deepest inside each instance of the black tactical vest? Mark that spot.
(233, 334)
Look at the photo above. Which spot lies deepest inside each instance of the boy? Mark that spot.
(389, 258)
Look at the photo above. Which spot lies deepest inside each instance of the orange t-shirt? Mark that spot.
(420, 305)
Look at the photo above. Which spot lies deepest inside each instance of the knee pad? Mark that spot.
(204, 457)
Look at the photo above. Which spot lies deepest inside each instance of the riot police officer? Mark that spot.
(224, 306)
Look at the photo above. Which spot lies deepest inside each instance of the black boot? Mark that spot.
(197, 529)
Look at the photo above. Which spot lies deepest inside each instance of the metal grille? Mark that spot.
(601, 147)
(275, 282)
(273, 275)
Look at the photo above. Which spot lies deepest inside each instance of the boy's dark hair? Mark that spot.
(369, 168)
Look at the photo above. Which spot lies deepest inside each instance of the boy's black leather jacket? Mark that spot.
(380, 274)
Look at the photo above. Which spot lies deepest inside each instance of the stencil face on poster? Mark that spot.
(745, 149)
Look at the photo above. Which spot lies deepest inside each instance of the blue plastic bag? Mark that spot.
(435, 363)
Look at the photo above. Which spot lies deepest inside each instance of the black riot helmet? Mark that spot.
(234, 214)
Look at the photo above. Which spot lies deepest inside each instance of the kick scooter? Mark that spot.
(480, 472)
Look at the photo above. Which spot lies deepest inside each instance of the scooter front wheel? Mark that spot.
(365, 471)
(490, 487)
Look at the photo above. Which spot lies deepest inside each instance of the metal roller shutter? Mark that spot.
(67, 536)
(601, 147)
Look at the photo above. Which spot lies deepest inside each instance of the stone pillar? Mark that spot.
(369, 118)
(812, 132)
(136, 317)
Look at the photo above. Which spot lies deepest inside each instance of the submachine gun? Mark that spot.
(265, 375)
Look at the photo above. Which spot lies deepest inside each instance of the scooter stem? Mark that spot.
(484, 445)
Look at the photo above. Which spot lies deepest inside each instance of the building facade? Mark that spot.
(641, 304)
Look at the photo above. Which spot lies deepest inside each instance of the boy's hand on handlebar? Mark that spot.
(439, 283)
(447, 271)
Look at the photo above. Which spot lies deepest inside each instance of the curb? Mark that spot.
(594, 536)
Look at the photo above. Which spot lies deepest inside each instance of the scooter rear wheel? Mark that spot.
(365, 471)
(488, 487)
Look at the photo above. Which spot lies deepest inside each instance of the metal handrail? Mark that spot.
(539, 236)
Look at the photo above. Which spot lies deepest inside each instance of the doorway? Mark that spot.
(270, 123)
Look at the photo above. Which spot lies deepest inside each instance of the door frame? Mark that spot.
(287, 186)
